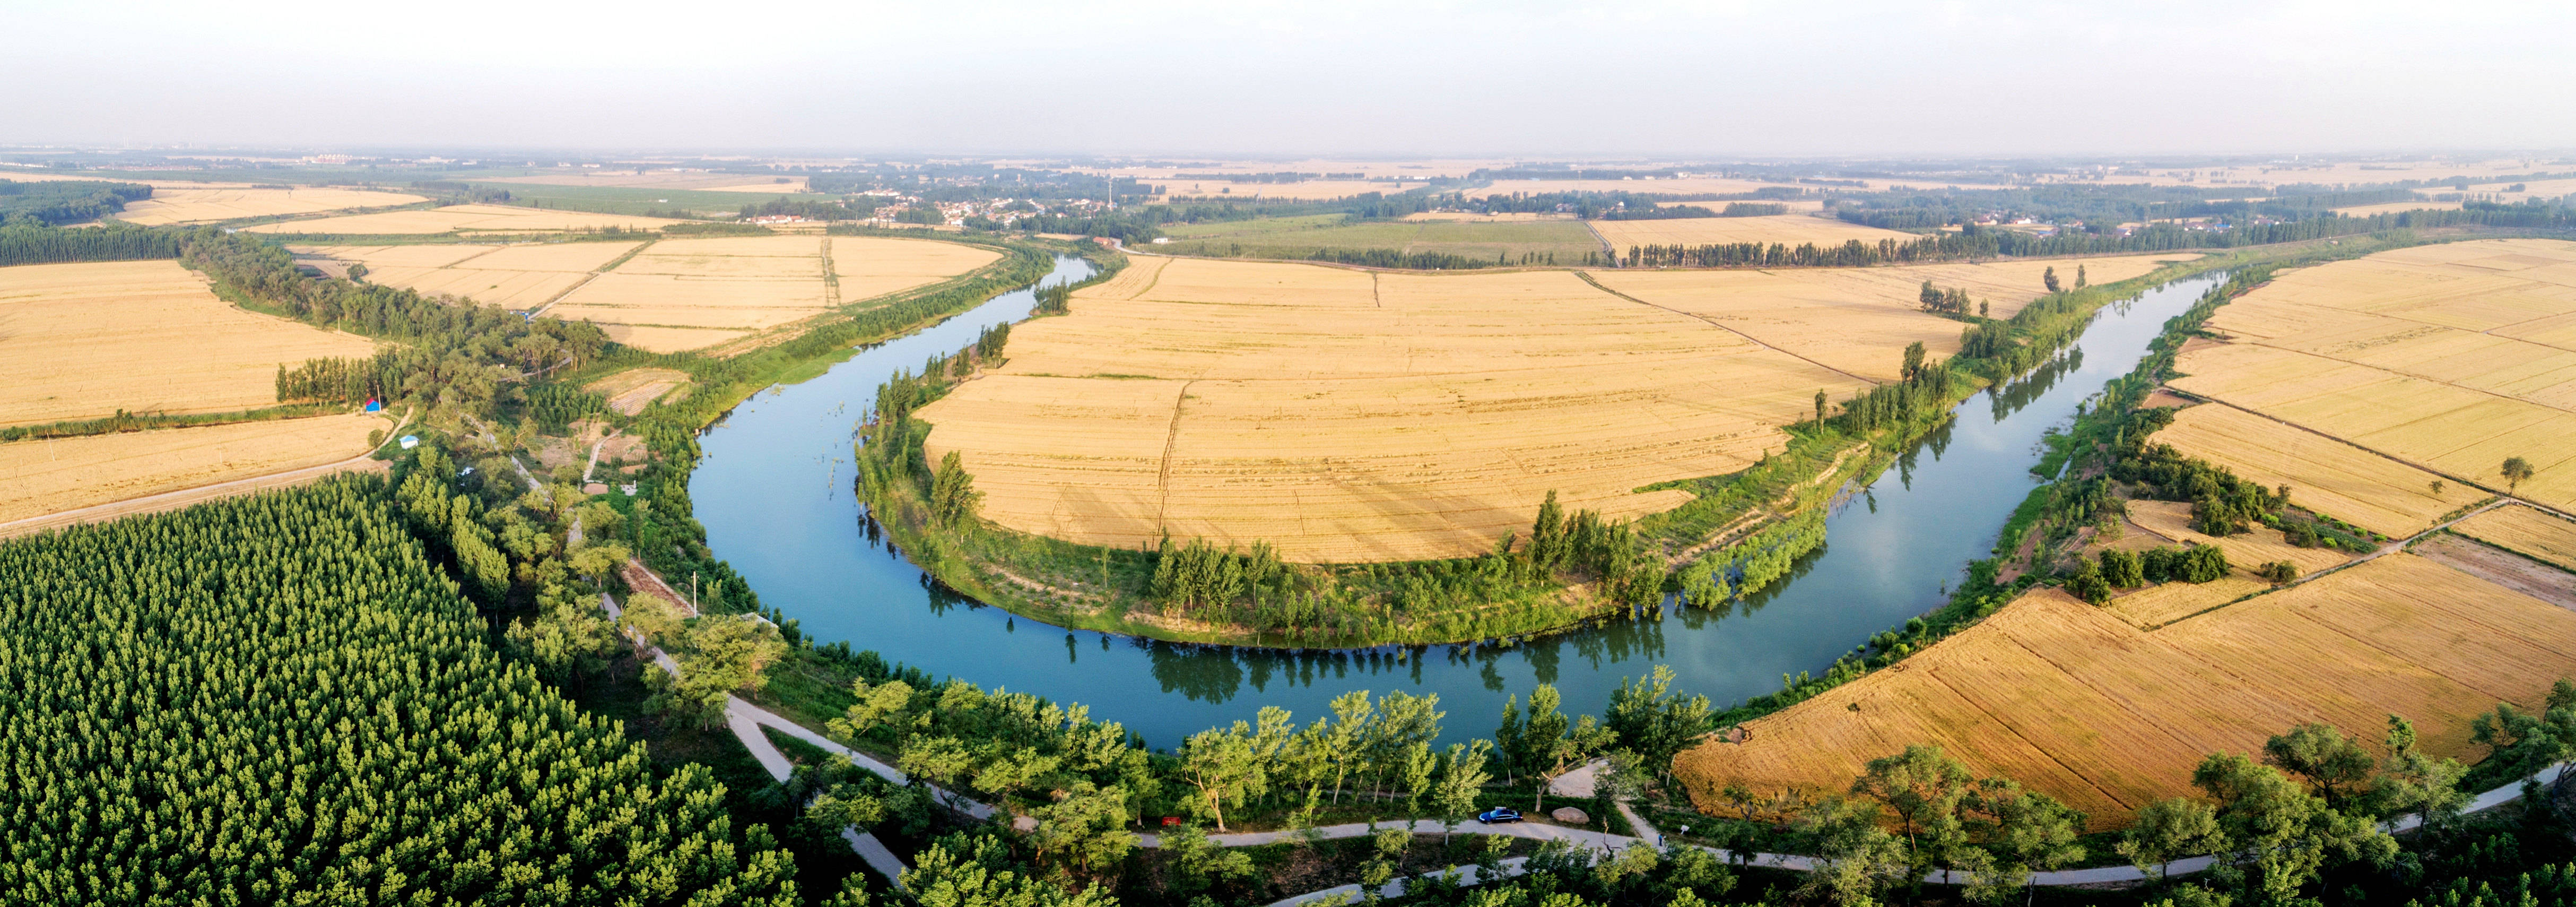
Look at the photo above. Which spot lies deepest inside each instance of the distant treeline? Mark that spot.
(70, 201)
(30, 245)
(1974, 242)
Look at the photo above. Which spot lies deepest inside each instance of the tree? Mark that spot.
(1820, 405)
(2516, 470)
(2168, 830)
(1233, 763)
(2023, 833)
(2079, 277)
(1650, 718)
(2436, 487)
(1913, 367)
(1509, 740)
(1086, 826)
(2049, 278)
(1199, 864)
(942, 878)
(2411, 783)
(2335, 764)
(2279, 836)
(717, 655)
(952, 492)
(1855, 858)
(885, 703)
(1924, 788)
(1462, 777)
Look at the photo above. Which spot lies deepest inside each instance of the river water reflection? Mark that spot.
(774, 492)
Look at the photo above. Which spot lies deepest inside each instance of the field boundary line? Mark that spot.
(1606, 248)
(2424, 378)
(594, 275)
(1171, 441)
(1597, 285)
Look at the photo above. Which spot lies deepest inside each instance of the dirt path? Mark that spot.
(1720, 325)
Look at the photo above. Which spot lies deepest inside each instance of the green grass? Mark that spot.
(1298, 237)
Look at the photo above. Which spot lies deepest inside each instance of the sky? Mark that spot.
(1264, 78)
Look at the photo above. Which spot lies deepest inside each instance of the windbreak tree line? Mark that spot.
(278, 699)
(35, 245)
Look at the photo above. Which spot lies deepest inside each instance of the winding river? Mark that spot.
(775, 494)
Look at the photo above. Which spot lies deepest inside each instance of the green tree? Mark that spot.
(2169, 830)
(2412, 783)
(2021, 833)
(2334, 764)
(1924, 787)
(717, 656)
(2280, 837)
(941, 877)
(1085, 827)
(2048, 278)
(1855, 858)
(952, 492)
(2516, 470)
(1462, 777)
(1658, 723)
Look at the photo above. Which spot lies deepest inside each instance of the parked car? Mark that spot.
(1499, 815)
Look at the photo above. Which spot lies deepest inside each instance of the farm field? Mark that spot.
(2077, 703)
(2324, 475)
(1298, 237)
(467, 219)
(2450, 358)
(38, 477)
(82, 341)
(517, 277)
(174, 204)
(631, 390)
(683, 294)
(1853, 319)
(2524, 531)
(1345, 415)
(1785, 229)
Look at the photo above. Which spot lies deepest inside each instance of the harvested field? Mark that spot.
(463, 219)
(2449, 357)
(517, 277)
(173, 205)
(81, 341)
(1786, 229)
(47, 476)
(2524, 531)
(2324, 475)
(681, 294)
(2501, 567)
(631, 390)
(1348, 416)
(1851, 319)
(2077, 703)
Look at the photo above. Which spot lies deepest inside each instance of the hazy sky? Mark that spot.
(1250, 76)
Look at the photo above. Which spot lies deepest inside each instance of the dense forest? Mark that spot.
(31, 245)
(279, 699)
(44, 204)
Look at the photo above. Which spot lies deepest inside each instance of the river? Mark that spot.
(775, 494)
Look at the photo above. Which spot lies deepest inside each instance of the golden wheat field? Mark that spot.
(2324, 475)
(1854, 320)
(1786, 229)
(2524, 531)
(518, 277)
(172, 205)
(661, 179)
(2163, 603)
(680, 294)
(463, 219)
(1345, 415)
(2448, 357)
(80, 341)
(2075, 702)
(2245, 550)
(47, 476)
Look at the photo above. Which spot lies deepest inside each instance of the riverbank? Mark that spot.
(1486, 598)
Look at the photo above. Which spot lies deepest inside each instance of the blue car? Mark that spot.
(1499, 815)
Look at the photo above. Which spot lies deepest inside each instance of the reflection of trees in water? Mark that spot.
(943, 599)
(2011, 398)
(1748, 605)
(1937, 440)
